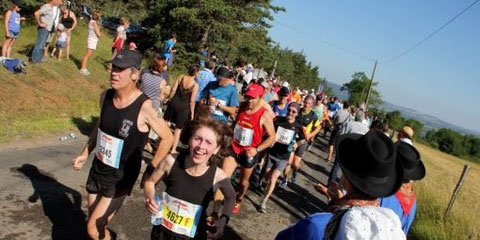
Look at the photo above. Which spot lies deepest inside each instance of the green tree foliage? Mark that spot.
(452, 142)
(358, 89)
(417, 127)
(394, 120)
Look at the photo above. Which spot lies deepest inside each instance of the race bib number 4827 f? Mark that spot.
(109, 149)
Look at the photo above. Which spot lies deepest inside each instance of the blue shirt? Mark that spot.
(168, 44)
(14, 22)
(309, 228)
(226, 94)
(393, 204)
(279, 112)
(203, 78)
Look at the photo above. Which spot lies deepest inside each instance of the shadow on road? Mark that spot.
(230, 234)
(85, 127)
(61, 204)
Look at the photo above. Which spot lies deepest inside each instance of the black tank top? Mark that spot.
(68, 21)
(196, 190)
(122, 124)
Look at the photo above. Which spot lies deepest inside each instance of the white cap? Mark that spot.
(370, 222)
(285, 84)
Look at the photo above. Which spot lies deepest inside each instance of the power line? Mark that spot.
(327, 42)
(431, 35)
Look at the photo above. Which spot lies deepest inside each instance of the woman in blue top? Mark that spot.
(12, 27)
(404, 202)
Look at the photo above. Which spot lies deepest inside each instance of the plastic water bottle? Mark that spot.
(63, 138)
(72, 135)
(157, 218)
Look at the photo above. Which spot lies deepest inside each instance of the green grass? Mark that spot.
(51, 95)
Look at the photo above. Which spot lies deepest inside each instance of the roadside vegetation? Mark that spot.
(54, 98)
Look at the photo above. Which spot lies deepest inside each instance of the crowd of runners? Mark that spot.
(220, 124)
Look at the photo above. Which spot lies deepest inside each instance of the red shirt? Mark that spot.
(248, 131)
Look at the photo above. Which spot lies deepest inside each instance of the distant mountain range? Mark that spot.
(430, 122)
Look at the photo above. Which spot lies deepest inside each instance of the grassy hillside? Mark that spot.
(53, 97)
(434, 192)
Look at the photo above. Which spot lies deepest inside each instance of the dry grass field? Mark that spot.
(434, 192)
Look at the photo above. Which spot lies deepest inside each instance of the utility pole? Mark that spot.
(370, 85)
(273, 71)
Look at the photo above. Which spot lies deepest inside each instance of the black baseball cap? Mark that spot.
(127, 59)
(283, 91)
(223, 72)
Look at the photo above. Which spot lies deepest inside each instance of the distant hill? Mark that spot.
(430, 122)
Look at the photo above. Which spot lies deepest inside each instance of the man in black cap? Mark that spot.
(118, 139)
(221, 95)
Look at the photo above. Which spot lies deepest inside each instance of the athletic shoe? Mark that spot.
(236, 207)
(284, 184)
(294, 176)
(263, 207)
(84, 72)
(212, 219)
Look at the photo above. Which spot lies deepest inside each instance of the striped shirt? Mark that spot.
(151, 86)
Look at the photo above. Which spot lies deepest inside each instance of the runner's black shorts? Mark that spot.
(244, 161)
(96, 184)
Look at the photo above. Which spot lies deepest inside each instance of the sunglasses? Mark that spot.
(292, 111)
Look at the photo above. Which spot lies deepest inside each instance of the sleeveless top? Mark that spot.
(248, 122)
(183, 94)
(122, 124)
(279, 112)
(67, 21)
(193, 189)
(91, 32)
(14, 22)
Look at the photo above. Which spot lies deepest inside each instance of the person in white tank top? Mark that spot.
(92, 40)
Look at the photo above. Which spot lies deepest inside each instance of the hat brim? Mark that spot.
(253, 95)
(417, 173)
(407, 134)
(369, 186)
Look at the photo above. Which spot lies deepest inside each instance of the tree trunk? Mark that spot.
(205, 36)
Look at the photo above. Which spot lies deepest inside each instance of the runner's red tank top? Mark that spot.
(248, 131)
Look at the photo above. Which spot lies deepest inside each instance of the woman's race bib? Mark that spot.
(180, 216)
(109, 149)
(243, 136)
(284, 136)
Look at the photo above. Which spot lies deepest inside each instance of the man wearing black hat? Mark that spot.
(118, 139)
(221, 96)
(371, 170)
(404, 202)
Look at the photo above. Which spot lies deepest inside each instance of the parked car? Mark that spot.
(135, 33)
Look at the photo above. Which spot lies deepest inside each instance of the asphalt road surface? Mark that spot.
(42, 197)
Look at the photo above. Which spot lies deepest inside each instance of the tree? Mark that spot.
(394, 120)
(358, 89)
(417, 127)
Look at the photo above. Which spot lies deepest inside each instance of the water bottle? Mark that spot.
(157, 218)
(63, 138)
(72, 135)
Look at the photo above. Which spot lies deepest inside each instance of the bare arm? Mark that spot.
(193, 97)
(222, 182)
(80, 160)
(161, 96)
(174, 87)
(162, 170)
(7, 16)
(228, 109)
(96, 29)
(37, 18)
(161, 129)
(72, 15)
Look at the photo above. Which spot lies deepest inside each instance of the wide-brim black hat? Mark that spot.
(370, 163)
(413, 167)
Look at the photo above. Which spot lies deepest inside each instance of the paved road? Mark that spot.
(41, 197)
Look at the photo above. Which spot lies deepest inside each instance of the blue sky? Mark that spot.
(440, 78)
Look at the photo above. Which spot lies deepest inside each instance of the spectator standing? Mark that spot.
(69, 21)
(45, 20)
(61, 41)
(120, 37)
(405, 134)
(204, 77)
(339, 122)
(168, 49)
(12, 26)
(92, 40)
(52, 33)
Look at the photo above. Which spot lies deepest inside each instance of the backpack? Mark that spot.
(14, 65)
